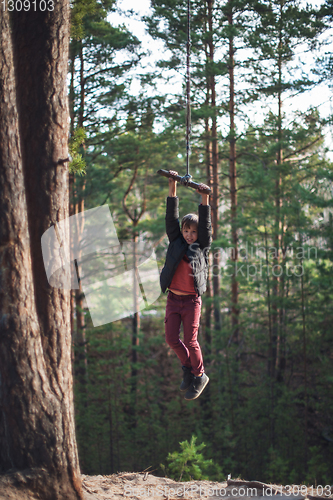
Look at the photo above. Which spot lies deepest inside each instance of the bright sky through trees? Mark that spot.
(129, 13)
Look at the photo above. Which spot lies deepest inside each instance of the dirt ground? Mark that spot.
(146, 486)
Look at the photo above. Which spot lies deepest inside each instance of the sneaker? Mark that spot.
(187, 378)
(197, 386)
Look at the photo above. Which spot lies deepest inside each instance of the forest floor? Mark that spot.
(146, 486)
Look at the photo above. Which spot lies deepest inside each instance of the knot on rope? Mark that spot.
(185, 179)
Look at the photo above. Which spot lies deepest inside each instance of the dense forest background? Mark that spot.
(263, 147)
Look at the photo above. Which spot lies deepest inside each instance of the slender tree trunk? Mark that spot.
(80, 337)
(78, 201)
(112, 390)
(136, 315)
(305, 367)
(72, 291)
(82, 87)
(37, 431)
(208, 313)
(277, 228)
(111, 446)
(209, 303)
(135, 215)
(72, 93)
(269, 306)
(209, 177)
(233, 185)
(281, 340)
(215, 170)
(71, 186)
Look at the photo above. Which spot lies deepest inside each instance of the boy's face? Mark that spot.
(190, 234)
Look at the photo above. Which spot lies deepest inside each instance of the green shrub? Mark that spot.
(189, 463)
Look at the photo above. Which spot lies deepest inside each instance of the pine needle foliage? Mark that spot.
(189, 463)
(77, 164)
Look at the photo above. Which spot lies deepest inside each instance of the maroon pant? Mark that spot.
(186, 309)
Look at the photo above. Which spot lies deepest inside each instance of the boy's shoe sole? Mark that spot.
(196, 388)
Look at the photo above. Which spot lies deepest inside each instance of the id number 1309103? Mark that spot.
(27, 5)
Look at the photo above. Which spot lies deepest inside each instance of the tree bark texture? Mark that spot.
(37, 431)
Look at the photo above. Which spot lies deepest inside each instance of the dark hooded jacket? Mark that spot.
(197, 252)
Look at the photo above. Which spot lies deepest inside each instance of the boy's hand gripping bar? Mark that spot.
(184, 180)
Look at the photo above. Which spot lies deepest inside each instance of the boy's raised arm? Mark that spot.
(172, 211)
(204, 196)
(205, 224)
(172, 185)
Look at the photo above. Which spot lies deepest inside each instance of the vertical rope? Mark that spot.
(188, 88)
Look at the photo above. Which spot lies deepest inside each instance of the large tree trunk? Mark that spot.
(37, 431)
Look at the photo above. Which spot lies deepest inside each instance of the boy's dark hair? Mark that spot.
(189, 219)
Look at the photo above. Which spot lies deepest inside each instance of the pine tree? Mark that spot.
(37, 417)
